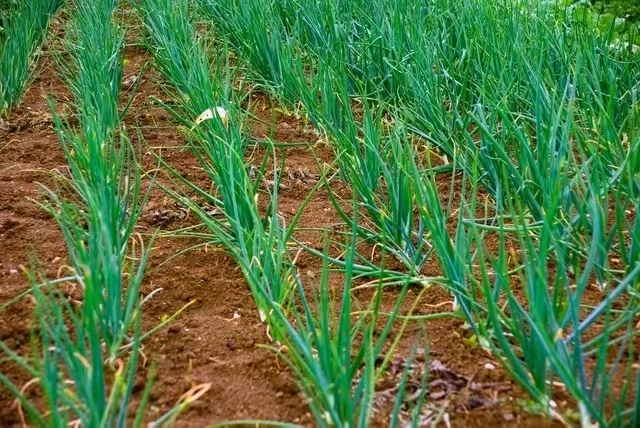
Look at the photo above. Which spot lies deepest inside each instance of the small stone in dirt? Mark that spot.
(174, 328)
(129, 81)
(489, 366)
(508, 417)
(13, 271)
(437, 395)
(231, 345)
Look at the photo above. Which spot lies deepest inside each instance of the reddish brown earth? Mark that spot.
(217, 339)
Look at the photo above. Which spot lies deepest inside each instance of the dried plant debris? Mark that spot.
(446, 392)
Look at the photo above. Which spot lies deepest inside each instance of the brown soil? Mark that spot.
(218, 338)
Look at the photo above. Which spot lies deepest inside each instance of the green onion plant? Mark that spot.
(69, 368)
(22, 33)
(338, 357)
(206, 108)
(83, 366)
(98, 221)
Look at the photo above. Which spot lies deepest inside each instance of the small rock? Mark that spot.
(13, 271)
(231, 345)
(508, 417)
(129, 81)
(437, 395)
(489, 366)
